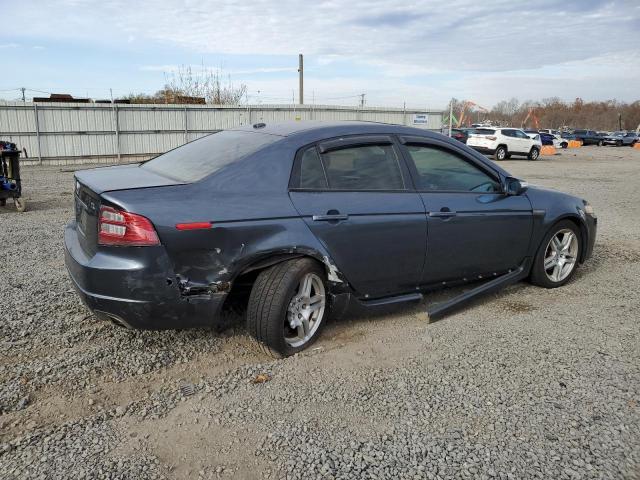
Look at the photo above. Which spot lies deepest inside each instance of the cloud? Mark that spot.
(456, 49)
(200, 69)
(9, 45)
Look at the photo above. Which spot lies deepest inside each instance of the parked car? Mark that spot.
(588, 137)
(295, 220)
(548, 139)
(459, 134)
(621, 138)
(550, 131)
(504, 142)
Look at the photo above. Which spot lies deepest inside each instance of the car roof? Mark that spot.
(344, 127)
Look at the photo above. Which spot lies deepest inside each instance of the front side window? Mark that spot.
(369, 167)
(442, 170)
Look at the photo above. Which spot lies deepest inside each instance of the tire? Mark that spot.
(600, 143)
(533, 154)
(557, 274)
(500, 153)
(21, 205)
(277, 300)
(618, 143)
(564, 145)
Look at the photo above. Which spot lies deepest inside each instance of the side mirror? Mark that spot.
(513, 186)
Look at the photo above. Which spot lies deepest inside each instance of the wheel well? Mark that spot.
(502, 145)
(581, 228)
(242, 284)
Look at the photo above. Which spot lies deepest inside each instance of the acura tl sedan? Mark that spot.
(293, 221)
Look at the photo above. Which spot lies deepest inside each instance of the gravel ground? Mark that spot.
(529, 383)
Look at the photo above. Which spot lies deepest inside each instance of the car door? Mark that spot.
(525, 142)
(474, 228)
(356, 196)
(513, 145)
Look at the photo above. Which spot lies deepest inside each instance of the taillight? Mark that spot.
(117, 227)
(491, 137)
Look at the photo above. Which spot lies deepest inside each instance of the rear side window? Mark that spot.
(441, 170)
(370, 167)
(311, 170)
(207, 155)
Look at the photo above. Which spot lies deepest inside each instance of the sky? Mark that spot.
(419, 53)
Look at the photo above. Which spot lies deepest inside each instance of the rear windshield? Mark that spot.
(202, 157)
(484, 131)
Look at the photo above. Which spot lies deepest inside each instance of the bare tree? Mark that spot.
(207, 84)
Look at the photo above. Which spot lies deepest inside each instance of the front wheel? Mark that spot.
(618, 143)
(557, 258)
(533, 154)
(564, 144)
(600, 143)
(287, 306)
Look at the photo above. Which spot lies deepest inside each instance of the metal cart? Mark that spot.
(10, 184)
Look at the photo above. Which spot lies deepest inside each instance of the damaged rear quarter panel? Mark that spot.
(250, 210)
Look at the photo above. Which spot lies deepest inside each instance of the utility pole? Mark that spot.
(23, 99)
(301, 77)
(450, 116)
(362, 100)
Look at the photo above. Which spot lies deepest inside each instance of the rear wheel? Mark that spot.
(533, 154)
(21, 205)
(600, 143)
(501, 153)
(557, 258)
(287, 306)
(564, 144)
(618, 143)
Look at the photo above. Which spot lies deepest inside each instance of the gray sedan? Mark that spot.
(621, 138)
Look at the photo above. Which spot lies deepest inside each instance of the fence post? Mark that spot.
(35, 112)
(186, 126)
(116, 128)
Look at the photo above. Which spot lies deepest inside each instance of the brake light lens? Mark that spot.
(117, 227)
(491, 137)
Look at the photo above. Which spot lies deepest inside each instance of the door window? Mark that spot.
(442, 170)
(311, 171)
(368, 167)
(521, 134)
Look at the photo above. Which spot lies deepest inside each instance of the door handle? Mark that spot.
(330, 217)
(443, 214)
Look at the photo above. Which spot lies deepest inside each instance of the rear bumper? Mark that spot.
(485, 150)
(135, 287)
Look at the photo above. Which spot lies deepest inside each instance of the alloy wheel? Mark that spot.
(561, 255)
(305, 311)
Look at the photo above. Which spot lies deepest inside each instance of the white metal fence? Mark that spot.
(61, 133)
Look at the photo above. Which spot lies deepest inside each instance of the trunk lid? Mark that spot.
(90, 184)
(122, 177)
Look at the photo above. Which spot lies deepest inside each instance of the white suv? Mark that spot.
(504, 142)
